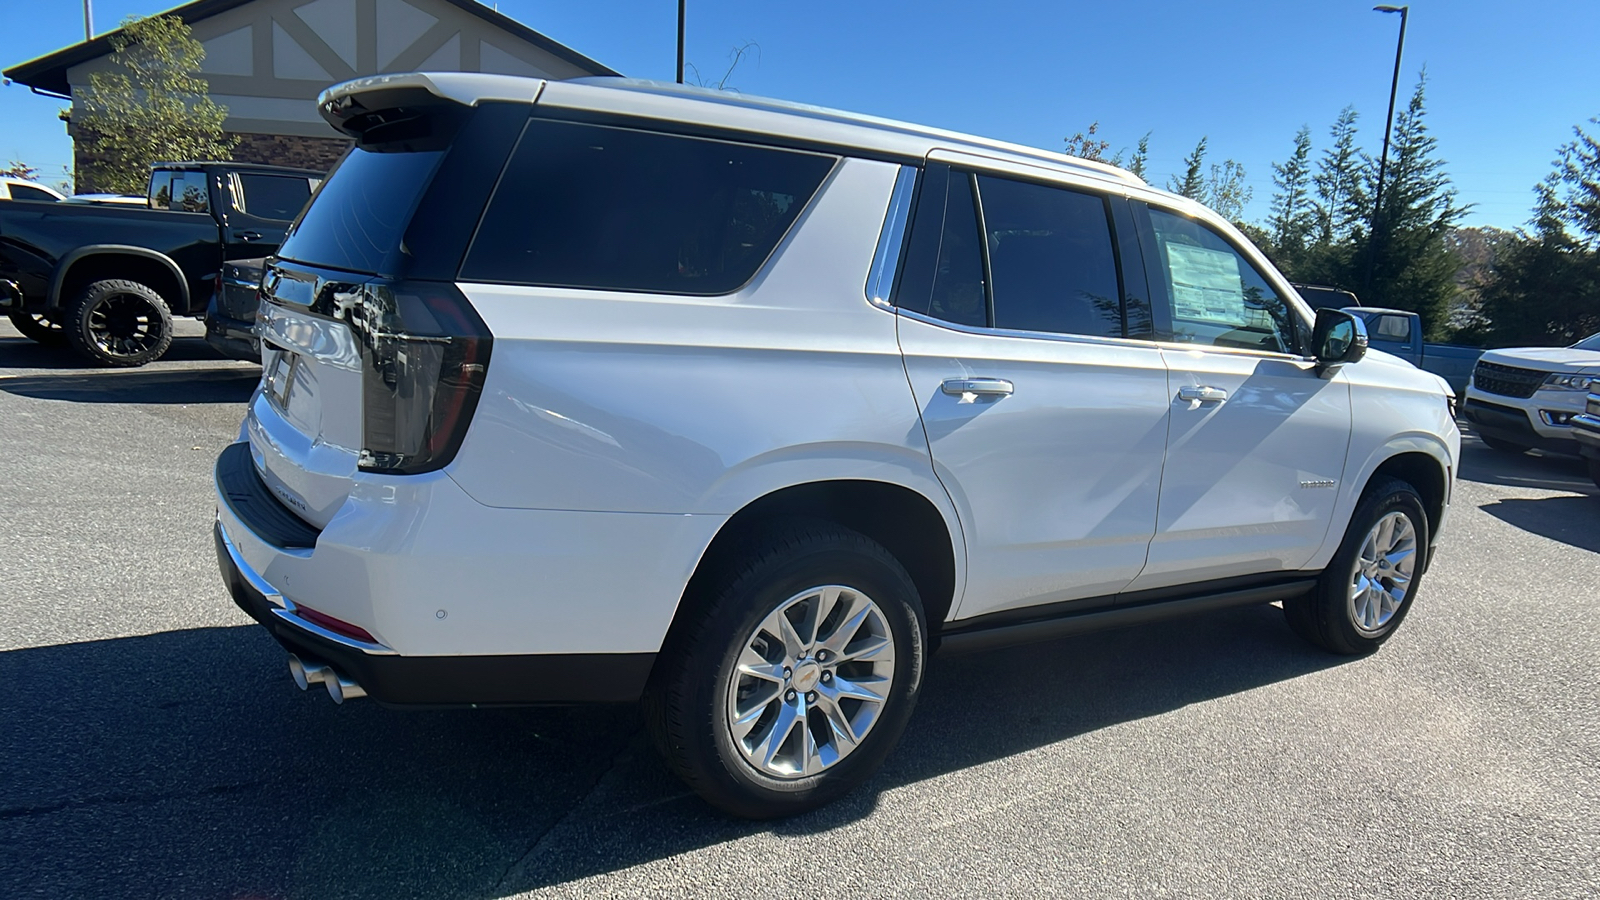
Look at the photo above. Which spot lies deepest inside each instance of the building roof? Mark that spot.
(49, 73)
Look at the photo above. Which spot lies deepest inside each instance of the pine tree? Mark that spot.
(1193, 183)
(151, 106)
(1292, 215)
(1141, 157)
(1411, 266)
(1341, 202)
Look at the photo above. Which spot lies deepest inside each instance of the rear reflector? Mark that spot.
(337, 626)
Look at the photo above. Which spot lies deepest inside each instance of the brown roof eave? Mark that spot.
(49, 72)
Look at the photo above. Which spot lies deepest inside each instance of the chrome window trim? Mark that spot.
(892, 238)
(1062, 337)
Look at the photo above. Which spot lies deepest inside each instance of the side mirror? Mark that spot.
(1339, 337)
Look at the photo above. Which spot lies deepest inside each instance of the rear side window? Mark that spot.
(189, 192)
(273, 196)
(356, 220)
(587, 206)
(1050, 259)
(23, 192)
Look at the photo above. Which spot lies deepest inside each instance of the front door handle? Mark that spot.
(993, 387)
(249, 236)
(1202, 394)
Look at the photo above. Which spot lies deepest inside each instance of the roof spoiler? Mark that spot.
(416, 111)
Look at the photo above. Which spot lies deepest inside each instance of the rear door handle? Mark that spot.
(994, 387)
(1202, 394)
(249, 235)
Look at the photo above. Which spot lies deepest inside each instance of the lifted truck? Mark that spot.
(107, 279)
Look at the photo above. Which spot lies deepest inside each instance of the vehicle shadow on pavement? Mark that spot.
(1542, 471)
(185, 763)
(22, 353)
(183, 386)
(1570, 520)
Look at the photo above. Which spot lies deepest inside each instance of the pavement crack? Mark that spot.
(115, 799)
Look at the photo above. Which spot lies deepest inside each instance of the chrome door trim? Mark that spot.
(886, 259)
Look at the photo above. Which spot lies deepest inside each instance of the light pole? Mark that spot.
(681, 11)
(88, 20)
(1383, 159)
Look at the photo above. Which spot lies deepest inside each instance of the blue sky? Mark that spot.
(1507, 80)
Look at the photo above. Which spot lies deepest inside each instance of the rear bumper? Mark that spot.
(233, 338)
(434, 681)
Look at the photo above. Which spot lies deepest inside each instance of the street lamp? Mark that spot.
(681, 11)
(1383, 160)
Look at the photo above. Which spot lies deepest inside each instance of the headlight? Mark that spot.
(1568, 382)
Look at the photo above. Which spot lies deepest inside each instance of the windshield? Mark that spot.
(1592, 342)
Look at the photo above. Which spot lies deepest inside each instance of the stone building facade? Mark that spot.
(267, 60)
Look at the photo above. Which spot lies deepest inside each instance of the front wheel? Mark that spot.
(38, 328)
(1367, 589)
(119, 323)
(796, 679)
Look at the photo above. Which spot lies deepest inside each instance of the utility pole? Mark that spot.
(88, 20)
(1383, 160)
(681, 10)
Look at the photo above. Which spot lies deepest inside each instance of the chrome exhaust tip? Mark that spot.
(341, 688)
(306, 674)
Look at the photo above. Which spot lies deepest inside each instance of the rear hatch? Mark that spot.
(372, 360)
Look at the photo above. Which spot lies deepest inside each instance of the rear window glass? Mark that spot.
(589, 206)
(360, 213)
(273, 196)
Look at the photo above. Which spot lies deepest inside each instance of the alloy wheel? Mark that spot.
(1383, 573)
(810, 682)
(124, 325)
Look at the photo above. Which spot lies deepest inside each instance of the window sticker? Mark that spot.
(1206, 284)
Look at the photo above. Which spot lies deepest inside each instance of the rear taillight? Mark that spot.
(425, 353)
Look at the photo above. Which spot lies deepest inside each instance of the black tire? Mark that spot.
(686, 706)
(1326, 616)
(119, 323)
(38, 328)
(1503, 445)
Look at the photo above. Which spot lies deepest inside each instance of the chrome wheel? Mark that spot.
(1383, 573)
(124, 325)
(811, 681)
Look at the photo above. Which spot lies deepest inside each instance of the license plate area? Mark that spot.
(278, 381)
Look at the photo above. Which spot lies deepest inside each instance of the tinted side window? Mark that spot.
(943, 269)
(358, 217)
(1392, 328)
(189, 192)
(273, 196)
(1214, 294)
(588, 206)
(1050, 259)
(23, 192)
(161, 190)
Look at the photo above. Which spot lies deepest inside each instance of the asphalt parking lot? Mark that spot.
(152, 744)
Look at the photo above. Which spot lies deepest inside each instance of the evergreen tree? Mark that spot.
(1292, 214)
(1141, 157)
(151, 106)
(1411, 266)
(1545, 286)
(1341, 200)
(1193, 183)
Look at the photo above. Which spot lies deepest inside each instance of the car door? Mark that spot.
(1045, 422)
(1258, 435)
(262, 206)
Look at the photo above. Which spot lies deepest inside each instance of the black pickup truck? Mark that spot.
(107, 279)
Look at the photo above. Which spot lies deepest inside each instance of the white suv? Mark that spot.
(599, 390)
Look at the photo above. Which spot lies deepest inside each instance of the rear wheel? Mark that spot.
(38, 328)
(1367, 589)
(1503, 445)
(796, 679)
(119, 323)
